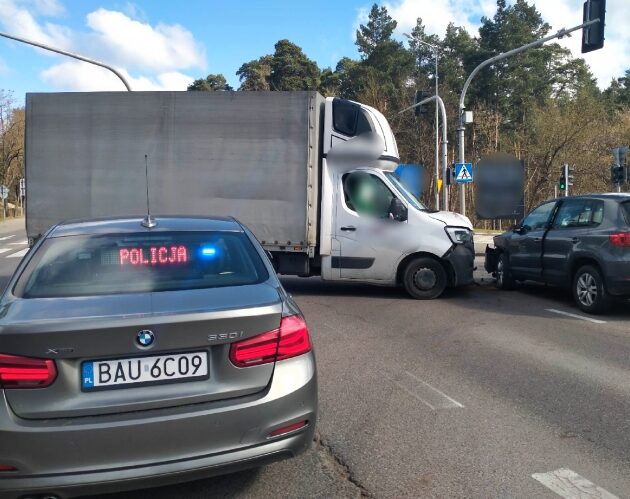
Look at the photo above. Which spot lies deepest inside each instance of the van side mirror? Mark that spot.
(397, 210)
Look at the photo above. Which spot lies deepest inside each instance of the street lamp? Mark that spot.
(436, 56)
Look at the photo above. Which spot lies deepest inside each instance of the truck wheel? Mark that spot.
(503, 275)
(589, 291)
(424, 279)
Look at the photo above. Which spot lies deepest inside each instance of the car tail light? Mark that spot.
(620, 239)
(290, 340)
(26, 372)
(287, 429)
(6, 468)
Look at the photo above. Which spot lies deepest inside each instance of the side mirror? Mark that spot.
(397, 210)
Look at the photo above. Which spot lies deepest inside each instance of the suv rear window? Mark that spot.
(140, 263)
(625, 207)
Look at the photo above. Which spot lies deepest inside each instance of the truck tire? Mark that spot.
(503, 275)
(589, 291)
(424, 279)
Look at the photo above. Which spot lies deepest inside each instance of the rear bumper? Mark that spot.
(70, 457)
(461, 258)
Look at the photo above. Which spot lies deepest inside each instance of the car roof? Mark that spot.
(117, 225)
(618, 196)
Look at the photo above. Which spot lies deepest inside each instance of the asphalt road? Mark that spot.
(466, 396)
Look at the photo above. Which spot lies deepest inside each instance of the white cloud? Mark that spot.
(17, 19)
(80, 77)
(151, 57)
(134, 44)
(610, 62)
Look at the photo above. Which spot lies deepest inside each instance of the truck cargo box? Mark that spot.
(251, 155)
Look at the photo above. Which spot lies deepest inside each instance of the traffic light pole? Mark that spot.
(440, 103)
(462, 99)
(566, 179)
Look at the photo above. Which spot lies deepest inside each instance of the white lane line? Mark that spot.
(18, 254)
(575, 316)
(570, 485)
(7, 237)
(4, 250)
(430, 396)
(19, 243)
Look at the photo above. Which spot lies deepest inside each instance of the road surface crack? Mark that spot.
(341, 467)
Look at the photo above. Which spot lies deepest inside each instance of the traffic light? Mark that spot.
(450, 175)
(562, 183)
(619, 171)
(618, 174)
(593, 35)
(420, 96)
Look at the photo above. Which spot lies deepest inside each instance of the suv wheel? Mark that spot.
(589, 291)
(503, 275)
(424, 278)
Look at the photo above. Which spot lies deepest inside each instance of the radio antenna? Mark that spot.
(148, 222)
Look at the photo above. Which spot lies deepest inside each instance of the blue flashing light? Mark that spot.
(208, 251)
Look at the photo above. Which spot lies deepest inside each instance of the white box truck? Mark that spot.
(312, 177)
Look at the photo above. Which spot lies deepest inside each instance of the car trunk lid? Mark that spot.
(75, 330)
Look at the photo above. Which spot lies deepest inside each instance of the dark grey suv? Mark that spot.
(134, 355)
(582, 242)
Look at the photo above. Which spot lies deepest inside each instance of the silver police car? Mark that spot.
(135, 356)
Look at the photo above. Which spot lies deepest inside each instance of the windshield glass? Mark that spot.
(140, 263)
(410, 198)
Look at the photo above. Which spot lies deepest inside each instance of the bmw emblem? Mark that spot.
(145, 338)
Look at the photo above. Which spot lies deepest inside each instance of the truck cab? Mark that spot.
(372, 228)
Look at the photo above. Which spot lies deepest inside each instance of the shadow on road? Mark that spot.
(235, 484)
(314, 286)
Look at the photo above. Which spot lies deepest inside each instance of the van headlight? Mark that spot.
(459, 235)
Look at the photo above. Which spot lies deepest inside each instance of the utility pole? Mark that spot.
(462, 99)
(440, 103)
(69, 54)
(436, 56)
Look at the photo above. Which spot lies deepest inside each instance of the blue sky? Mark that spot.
(166, 44)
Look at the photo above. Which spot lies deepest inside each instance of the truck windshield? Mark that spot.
(140, 263)
(410, 198)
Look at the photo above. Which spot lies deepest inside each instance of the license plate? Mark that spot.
(135, 371)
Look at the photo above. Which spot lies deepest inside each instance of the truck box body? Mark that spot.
(251, 155)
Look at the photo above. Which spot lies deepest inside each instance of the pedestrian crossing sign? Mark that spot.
(463, 173)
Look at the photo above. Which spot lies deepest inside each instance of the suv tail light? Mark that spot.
(620, 239)
(26, 372)
(290, 340)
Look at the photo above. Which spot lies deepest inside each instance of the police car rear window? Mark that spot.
(135, 263)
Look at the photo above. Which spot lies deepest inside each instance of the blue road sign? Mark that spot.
(463, 173)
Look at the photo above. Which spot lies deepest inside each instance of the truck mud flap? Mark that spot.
(492, 258)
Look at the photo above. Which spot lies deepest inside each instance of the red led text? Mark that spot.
(154, 255)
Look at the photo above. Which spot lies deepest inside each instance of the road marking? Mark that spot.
(7, 237)
(570, 485)
(19, 243)
(430, 396)
(4, 250)
(18, 254)
(575, 316)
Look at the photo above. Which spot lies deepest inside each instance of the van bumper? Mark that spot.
(461, 258)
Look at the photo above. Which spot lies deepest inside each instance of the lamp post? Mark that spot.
(436, 56)
(69, 54)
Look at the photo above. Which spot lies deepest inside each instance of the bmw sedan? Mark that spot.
(134, 355)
